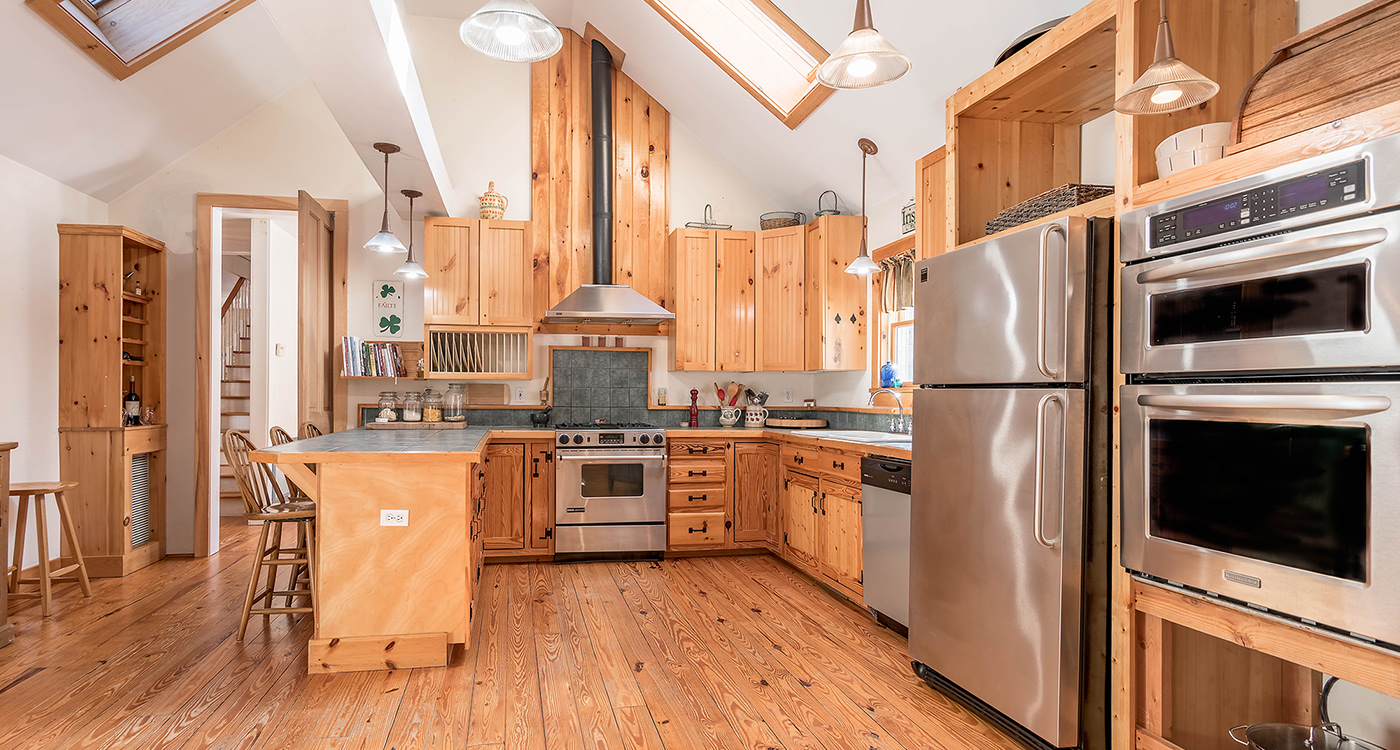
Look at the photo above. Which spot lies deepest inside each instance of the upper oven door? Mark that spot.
(1305, 300)
(606, 485)
(1285, 496)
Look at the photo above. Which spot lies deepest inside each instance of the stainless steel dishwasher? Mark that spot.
(884, 515)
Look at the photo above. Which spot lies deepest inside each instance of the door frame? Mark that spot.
(205, 203)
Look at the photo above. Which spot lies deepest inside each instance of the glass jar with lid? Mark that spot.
(432, 406)
(413, 407)
(454, 407)
(388, 403)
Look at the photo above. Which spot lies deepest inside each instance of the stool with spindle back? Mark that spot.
(33, 493)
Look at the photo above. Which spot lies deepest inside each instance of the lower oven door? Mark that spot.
(1285, 496)
(609, 485)
(1311, 299)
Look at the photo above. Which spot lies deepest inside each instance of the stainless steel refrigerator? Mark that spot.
(1008, 592)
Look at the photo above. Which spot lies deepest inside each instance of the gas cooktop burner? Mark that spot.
(606, 426)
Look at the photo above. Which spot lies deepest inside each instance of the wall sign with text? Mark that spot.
(388, 308)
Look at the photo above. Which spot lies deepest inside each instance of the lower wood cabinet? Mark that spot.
(756, 470)
(697, 496)
(800, 493)
(518, 509)
(822, 530)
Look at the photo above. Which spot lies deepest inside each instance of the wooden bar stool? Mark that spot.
(32, 493)
(264, 501)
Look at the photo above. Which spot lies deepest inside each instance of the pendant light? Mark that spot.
(865, 59)
(1168, 84)
(511, 31)
(863, 265)
(385, 241)
(411, 269)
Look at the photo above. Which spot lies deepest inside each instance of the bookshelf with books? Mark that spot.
(111, 410)
(380, 360)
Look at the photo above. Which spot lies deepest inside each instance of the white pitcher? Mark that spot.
(755, 416)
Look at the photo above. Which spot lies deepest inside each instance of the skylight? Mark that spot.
(124, 36)
(759, 47)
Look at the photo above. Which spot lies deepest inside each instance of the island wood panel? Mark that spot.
(641, 189)
(692, 253)
(450, 255)
(424, 564)
(756, 493)
(931, 204)
(504, 275)
(734, 301)
(780, 305)
(503, 517)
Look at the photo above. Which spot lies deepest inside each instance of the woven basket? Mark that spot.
(780, 219)
(1049, 202)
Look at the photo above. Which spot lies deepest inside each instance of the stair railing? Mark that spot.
(235, 318)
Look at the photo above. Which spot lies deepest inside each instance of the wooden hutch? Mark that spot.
(108, 336)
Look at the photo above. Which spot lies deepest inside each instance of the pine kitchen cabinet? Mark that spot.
(821, 505)
(835, 317)
(756, 474)
(712, 289)
(480, 272)
(781, 305)
(518, 499)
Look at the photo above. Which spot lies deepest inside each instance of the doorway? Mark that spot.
(239, 328)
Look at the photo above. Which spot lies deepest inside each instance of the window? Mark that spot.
(893, 331)
(124, 36)
(759, 47)
(902, 347)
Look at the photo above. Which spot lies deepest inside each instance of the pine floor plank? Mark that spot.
(740, 652)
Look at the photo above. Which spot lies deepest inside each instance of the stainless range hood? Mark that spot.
(603, 302)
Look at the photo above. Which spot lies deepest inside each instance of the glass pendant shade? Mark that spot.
(511, 31)
(862, 265)
(411, 269)
(385, 241)
(1168, 84)
(864, 59)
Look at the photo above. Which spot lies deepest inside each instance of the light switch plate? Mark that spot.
(393, 517)
(520, 394)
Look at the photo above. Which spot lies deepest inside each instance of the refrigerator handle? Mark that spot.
(1042, 359)
(1039, 518)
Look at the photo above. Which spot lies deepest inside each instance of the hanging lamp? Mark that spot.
(1168, 84)
(863, 265)
(385, 241)
(511, 31)
(864, 59)
(411, 269)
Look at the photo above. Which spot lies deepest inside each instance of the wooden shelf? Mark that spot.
(132, 363)
(136, 298)
(1104, 206)
(135, 342)
(378, 377)
(134, 321)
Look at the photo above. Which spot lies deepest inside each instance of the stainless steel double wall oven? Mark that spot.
(1261, 423)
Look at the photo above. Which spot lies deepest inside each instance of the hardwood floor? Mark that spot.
(739, 652)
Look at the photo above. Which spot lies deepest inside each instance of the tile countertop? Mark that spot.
(360, 444)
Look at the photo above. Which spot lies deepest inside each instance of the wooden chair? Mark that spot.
(32, 493)
(279, 436)
(264, 501)
(310, 430)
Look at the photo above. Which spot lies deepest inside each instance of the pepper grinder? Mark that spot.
(694, 407)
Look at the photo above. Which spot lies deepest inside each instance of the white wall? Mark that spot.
(30, 207)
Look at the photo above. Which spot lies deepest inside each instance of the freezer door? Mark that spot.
(996, 550)
(1008, 310)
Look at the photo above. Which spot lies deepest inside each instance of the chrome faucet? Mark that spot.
(900, 425)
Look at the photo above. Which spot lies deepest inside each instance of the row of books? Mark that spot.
(371, 359)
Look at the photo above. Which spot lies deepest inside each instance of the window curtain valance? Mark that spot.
(897, 282)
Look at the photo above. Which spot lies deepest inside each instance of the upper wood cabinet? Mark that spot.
(479, 272)
(781, 300)
(835, 321)
(931, 204)
(712, 289)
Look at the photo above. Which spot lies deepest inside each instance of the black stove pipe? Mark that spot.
(602, 164)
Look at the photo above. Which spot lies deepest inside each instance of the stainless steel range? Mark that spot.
(609, 492)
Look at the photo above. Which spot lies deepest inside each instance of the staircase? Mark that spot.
(235, 386)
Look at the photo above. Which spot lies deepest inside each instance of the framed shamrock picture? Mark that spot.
(388, 309)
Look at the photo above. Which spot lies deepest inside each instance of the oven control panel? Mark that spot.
(610, 439)
(1310, 193)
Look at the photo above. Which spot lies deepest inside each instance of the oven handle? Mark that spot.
(608, 458)
(1041, 358)
(1264, 258)
(1320, 403)
(1039, 510)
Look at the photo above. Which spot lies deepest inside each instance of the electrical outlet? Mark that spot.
(520, 394)
(787, 395)
(393, 517)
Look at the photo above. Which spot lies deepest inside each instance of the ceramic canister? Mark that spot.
(493, 204)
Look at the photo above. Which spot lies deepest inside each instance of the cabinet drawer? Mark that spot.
(697, 471)
(698, 448)
(687, 499)
(802, 459)
(695, 529)
(822, 463)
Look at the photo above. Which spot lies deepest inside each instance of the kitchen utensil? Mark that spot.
(728, 417)
(733, 394)
(541, 418)
(835, 209)
(750, 395)
(796, 423)
(1278, 736)
(709, 222)
(544, 391)
(755, 416)
(723, 399)
(762, 399)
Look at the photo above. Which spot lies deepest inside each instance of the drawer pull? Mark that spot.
(696, 497)
(798, 460)
(838, 465)
(704, 529)
(694, 450)
(701, 473)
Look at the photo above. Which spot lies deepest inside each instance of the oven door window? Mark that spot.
(611, 480)
(1295, 495)
(1332, 300)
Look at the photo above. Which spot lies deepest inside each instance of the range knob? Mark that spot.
(578, 439)
(644, 439)
(563, 439)
(660, 438)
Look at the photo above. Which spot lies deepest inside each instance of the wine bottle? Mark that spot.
(131, 408)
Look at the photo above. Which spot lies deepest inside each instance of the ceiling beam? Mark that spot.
(356, 53)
